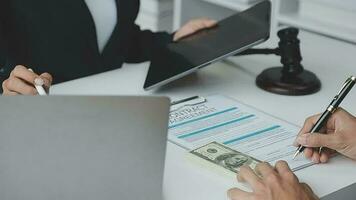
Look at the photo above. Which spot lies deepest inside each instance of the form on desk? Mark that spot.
(200, 121)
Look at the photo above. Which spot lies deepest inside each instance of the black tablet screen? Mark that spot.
(232, 35)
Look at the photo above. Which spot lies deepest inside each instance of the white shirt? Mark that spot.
(104, 13)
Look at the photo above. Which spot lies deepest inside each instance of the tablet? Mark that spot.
(231, 36)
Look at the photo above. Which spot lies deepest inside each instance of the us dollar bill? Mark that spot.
(222, 158)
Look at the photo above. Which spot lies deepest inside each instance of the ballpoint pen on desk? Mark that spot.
(184, 100)
(196, 100)
(349, 83)
(38, 85)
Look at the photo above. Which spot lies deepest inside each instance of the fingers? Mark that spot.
(23, 73)
(308, 153)
(331, 141)
(237, 194)
(308, 125)
(22, 81)
(307, 188)
(274, 182)
(316, 157)
(339, 118)
(208, 23)
(202, 23)
(326, 155)
(246, 174)
(282, 167)
(9, 93)
(321, 158)
(313, 154)
(285, 172)
(16, 85)
(309, 191)
(265, 169)
(47, 80)
(193, 26)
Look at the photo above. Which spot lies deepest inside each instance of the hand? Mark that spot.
(22, 81)
(193, 26)
(277, 183)
(340, 136)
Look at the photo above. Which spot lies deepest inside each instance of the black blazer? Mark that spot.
(59, 37)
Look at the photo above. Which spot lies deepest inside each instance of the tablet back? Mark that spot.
(231, 36)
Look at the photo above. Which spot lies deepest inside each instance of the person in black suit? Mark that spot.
(69, 39)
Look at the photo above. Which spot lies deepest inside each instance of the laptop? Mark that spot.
(347, 193)
(82, 148)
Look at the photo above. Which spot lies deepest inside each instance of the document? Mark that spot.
(221, 119)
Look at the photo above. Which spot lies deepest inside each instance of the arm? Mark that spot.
(144, 42)
(20, 80)
(2, 49)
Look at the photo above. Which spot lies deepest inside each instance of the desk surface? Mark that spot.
(331, 60)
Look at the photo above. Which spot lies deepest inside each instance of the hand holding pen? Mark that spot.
(23, 81)
(39, 83)
(338, 135)
(324, 124)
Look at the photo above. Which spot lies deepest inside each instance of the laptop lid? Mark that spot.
(347, 193)
(82, 148)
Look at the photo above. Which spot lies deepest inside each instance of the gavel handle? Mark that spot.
(265, 51)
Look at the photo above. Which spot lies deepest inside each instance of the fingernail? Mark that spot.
(315, 160)
(39, 82)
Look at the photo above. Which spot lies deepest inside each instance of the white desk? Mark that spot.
(333, 61)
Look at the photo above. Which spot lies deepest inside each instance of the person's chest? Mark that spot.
(70, 19)
(59, 36)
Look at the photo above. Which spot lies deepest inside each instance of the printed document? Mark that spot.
(243, 128)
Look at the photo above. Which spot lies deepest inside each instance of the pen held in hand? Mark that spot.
(38, 83)
(346, 88)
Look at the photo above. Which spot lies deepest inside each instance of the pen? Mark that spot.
(349, 83)
(184, 100)
(41, 91)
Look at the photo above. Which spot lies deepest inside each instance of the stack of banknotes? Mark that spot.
(221, 159)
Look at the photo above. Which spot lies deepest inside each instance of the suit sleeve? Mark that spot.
(2, 60)
(143, 42)
(2, 40)
(2, 51)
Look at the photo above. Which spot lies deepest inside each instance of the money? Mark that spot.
(219, 157)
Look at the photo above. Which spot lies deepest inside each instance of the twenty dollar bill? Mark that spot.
(221, 158)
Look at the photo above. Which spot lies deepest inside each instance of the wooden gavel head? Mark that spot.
(289, 50)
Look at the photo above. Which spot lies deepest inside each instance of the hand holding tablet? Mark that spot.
(230, 36)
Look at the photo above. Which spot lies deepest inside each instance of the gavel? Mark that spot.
(291, 78)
